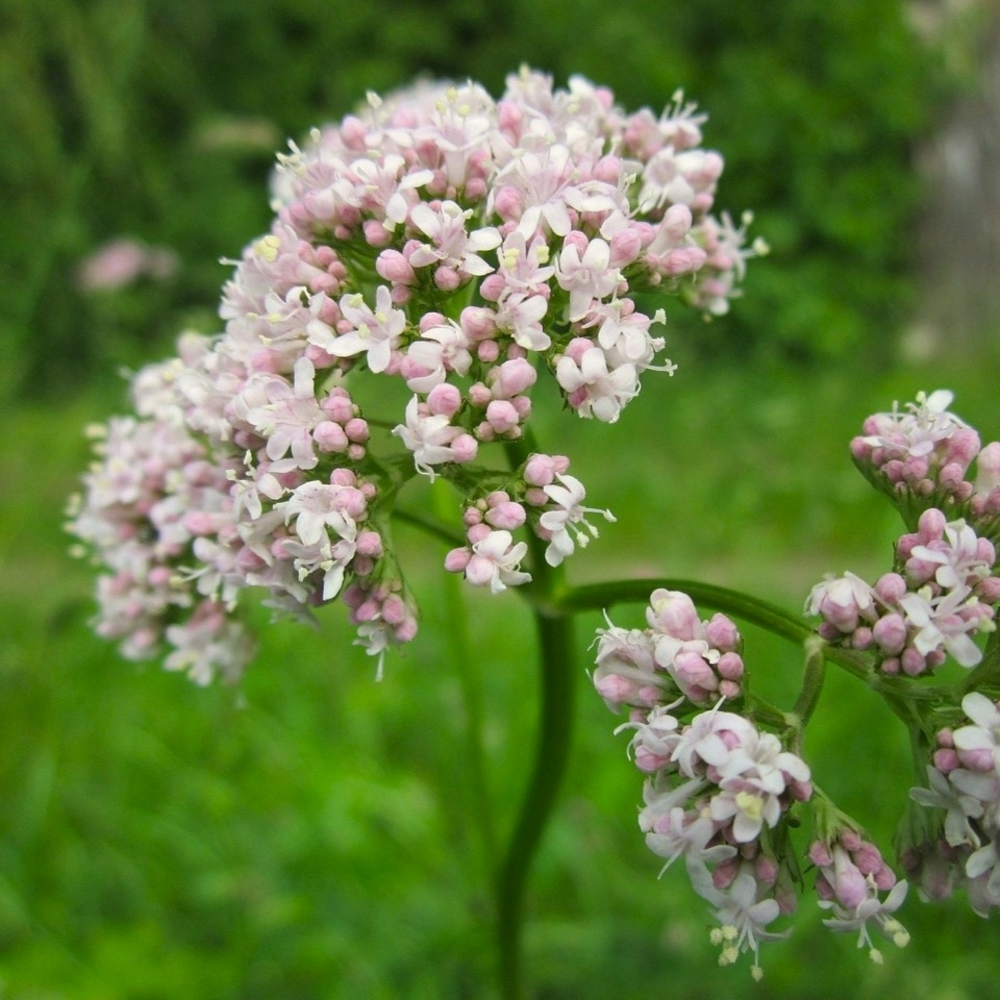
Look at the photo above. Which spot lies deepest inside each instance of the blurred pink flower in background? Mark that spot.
(121, 261)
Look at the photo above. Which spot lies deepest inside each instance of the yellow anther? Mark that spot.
(268, 248)
(752, 806)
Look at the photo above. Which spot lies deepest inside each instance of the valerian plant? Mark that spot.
(477, 252)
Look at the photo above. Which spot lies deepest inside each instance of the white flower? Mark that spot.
(568, 513)
(871, 911)
(588, 277)
(743, 920)
(958, 808)
(431, 438)
(603, 392)
(375, 333)
(984, 735)
(496, 562)
(938, 626)
(451, 245)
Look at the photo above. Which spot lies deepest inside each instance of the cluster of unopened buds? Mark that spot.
(942, 589)
(462, 246)
(726, 794)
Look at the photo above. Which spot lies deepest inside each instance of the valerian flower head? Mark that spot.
(450, 242)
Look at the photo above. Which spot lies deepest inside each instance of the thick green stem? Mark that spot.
(555, 636)
(470, 680)
(554, 627)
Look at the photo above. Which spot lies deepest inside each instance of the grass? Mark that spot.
(313, 834)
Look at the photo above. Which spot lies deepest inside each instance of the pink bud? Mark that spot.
(890, 633)
(512, 378)
(393, 610)
(979, 760)
(649, 762)
(730, 666)
(673, 613)
(890, 588)
(478, 323)
(868, 859)
(721, 632)
(912, 662)
(447, 278)
(492, 287)
(160, 576)
(626, 246)
(406, 630)
(849, 884)
(931, 526)
(690, 670)
(507, 516)
(502, 416)
(444, 400)
(338, 407)
(576, 239)
(330, 436)
(376, 234)
(488, 351)
(819, 854)
(508, 203)
(369, 543)
(456, 560)
(464, 448)
(962, 447)
(988, 469)
(357, 430)
(540, 471)
(766, 869)
(479, 394)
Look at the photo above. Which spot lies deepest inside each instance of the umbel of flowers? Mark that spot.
(466, 248)
(725, 782)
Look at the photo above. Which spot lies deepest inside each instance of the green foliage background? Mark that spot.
(160, 120)
(312, 834)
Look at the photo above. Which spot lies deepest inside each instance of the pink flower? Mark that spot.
(496, 562)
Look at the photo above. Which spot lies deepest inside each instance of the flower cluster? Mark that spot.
(921, 457)
(541, 495)
(942, 589)
(718, 788)
(459, 246)
(676, 656)
(714, 787)
(962, 847)
(942, 593)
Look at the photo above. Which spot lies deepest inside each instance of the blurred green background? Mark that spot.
(312, 834)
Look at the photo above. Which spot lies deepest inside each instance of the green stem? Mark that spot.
(813, 675)
(598, 596)
(433, 527)
(470, 681)
(554, 627)
(555, 635)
